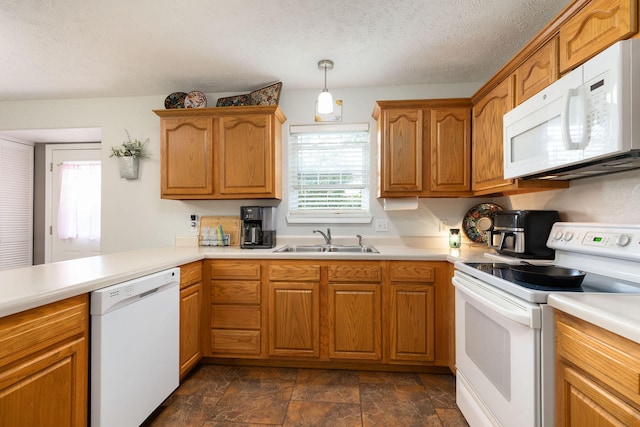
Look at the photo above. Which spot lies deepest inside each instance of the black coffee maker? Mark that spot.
(258, 227)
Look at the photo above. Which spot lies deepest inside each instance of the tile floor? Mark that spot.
(216, 395)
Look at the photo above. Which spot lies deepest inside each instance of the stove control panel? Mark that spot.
(610, 240)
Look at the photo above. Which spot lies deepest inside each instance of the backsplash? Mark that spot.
(612, 198)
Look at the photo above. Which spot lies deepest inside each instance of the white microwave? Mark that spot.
(586, 123)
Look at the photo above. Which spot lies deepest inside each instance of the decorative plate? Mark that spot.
(195, 99)
(234, 101)
(175, 100)
(269, 95)
(479, 215)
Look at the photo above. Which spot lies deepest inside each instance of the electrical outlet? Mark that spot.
(444, 225)
(381, 225)
(193, 221)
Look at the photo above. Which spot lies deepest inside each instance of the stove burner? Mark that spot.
(591, 283)
(503, 271)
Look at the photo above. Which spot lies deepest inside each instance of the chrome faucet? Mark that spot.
(359, 240)
(327, 237)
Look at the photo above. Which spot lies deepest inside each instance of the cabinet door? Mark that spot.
(450, 149)
(294, 319)
(190, 326)
(186, 146)
(401, 153)
(412, 322)
(42, 391)
(44, 365)
(355, 321)
(581, 402)
(594, 28)
(487, 164)
(537, 72)
(246, 156)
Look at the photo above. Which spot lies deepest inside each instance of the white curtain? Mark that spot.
(79, 205)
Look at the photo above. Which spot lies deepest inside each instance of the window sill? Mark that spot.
(329, 219)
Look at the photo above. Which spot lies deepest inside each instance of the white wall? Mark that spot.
(134, 216)
(612, 198)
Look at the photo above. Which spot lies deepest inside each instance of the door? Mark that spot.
(70, 162)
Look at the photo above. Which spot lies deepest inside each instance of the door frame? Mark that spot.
(48, 164)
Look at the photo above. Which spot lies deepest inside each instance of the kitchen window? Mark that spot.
(329, 176)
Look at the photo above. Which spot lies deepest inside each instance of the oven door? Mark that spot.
(497, 355)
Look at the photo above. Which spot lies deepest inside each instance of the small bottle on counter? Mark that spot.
(454, 237)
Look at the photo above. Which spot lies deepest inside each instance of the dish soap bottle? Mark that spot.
(454, 237)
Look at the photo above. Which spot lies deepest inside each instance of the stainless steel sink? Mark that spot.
(327, 248)
(300, 248)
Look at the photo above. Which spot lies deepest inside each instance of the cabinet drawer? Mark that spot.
(235, 271)
(289, 273)
(235, 292)
(412, 272)
(609, 358)
(355, 273)
(235, 317)
(235, 342)
(27, 332)
(190, 273)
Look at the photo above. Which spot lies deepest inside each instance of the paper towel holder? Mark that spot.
(400, 204)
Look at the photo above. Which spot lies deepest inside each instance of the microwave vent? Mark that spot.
(619, 163)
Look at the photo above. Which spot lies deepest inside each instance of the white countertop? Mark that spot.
(29, 287)
(618, 313)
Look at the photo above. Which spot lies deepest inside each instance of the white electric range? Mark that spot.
(504, 328)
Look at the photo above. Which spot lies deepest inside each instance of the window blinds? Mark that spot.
(329, 168)
(16, 205)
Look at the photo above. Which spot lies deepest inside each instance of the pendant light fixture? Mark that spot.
(325, 100)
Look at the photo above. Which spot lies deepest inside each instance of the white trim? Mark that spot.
(330, 219)
(348, 127)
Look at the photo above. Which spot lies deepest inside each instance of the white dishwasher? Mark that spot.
(134, 348)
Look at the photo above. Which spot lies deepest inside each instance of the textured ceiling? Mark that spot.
(95, 48)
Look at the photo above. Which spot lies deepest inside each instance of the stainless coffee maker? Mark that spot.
(258, 227)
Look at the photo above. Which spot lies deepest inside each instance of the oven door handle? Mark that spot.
(512, 308)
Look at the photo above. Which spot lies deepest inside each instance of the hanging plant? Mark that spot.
(130, 148)
(129, 154)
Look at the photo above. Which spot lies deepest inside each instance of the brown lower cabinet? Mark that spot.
(597, 376)
(234, 309)
(294, 310)
(44, 365)
(374, 312)
(355, 310)
(190, 316)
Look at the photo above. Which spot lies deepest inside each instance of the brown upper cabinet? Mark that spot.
(581, 30)
(424, 147)
(221, 153)
(596, 26)
(488, 167)
(537, 72)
